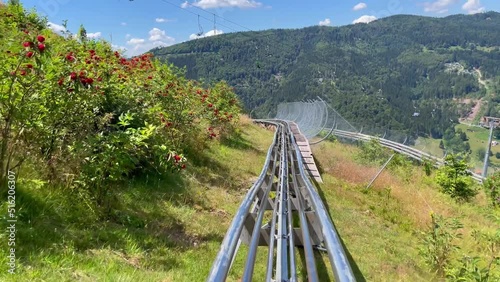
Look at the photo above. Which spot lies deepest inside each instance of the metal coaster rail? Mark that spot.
(314, 117)
(400, 148)
(284, 188)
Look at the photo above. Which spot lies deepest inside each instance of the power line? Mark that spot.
(196, 14)
(252, 38)
(220, 17)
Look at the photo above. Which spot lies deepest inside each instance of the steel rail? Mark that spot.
(306, 235)
(252, 251)
(270, 255)
(400, 148)
(282, 237)
(338, 259)
(327, 135)
(221, 265)
(289, 210)
(294, 192)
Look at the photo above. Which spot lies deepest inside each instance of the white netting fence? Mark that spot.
(317, 118)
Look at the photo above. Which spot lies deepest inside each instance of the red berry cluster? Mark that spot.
(93, 58)
(164, 121)
(211, 132)
(70, 57)
(81, 78)
(178, 160)
(29, 46)
(142, 62)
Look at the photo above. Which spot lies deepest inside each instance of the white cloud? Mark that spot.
(209, 33)
(157, 38)
(209, 4)
(326, 22)
(135, 41)
(439, 6)
(157, 34)
(123, 24)
(473, 7)
(94, 35)
(360, 6)
(164, 20)
(127, 36)
(56, 28)
(364, 19)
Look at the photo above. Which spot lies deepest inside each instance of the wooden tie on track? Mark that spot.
(305, 151)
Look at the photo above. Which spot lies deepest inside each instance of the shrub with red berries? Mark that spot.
(92, 112)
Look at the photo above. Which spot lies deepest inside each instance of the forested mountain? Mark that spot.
(377, 74)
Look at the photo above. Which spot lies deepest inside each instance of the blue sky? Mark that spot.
(140, 25)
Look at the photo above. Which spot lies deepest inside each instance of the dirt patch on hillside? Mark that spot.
(475, 105)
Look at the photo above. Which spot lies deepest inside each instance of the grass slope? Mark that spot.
(382, 226)
(163, 228)
(478, 138)
(429, 145)
(170, 228)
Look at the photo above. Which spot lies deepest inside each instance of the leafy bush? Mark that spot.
(439, 242)
(428, 167)
(481, 152)
(492, 188)
(80, 108)
(454, 178)
(477, 268)
(373, 152)
(402, 166)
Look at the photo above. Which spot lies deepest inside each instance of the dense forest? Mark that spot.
(378, 74)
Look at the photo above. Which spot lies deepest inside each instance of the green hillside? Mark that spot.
(376, 75)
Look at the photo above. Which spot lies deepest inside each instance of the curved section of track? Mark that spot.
(314, 117)
(400, 148)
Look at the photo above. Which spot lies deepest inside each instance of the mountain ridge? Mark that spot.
(375, 74)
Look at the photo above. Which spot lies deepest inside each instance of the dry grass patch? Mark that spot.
(382, 226)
